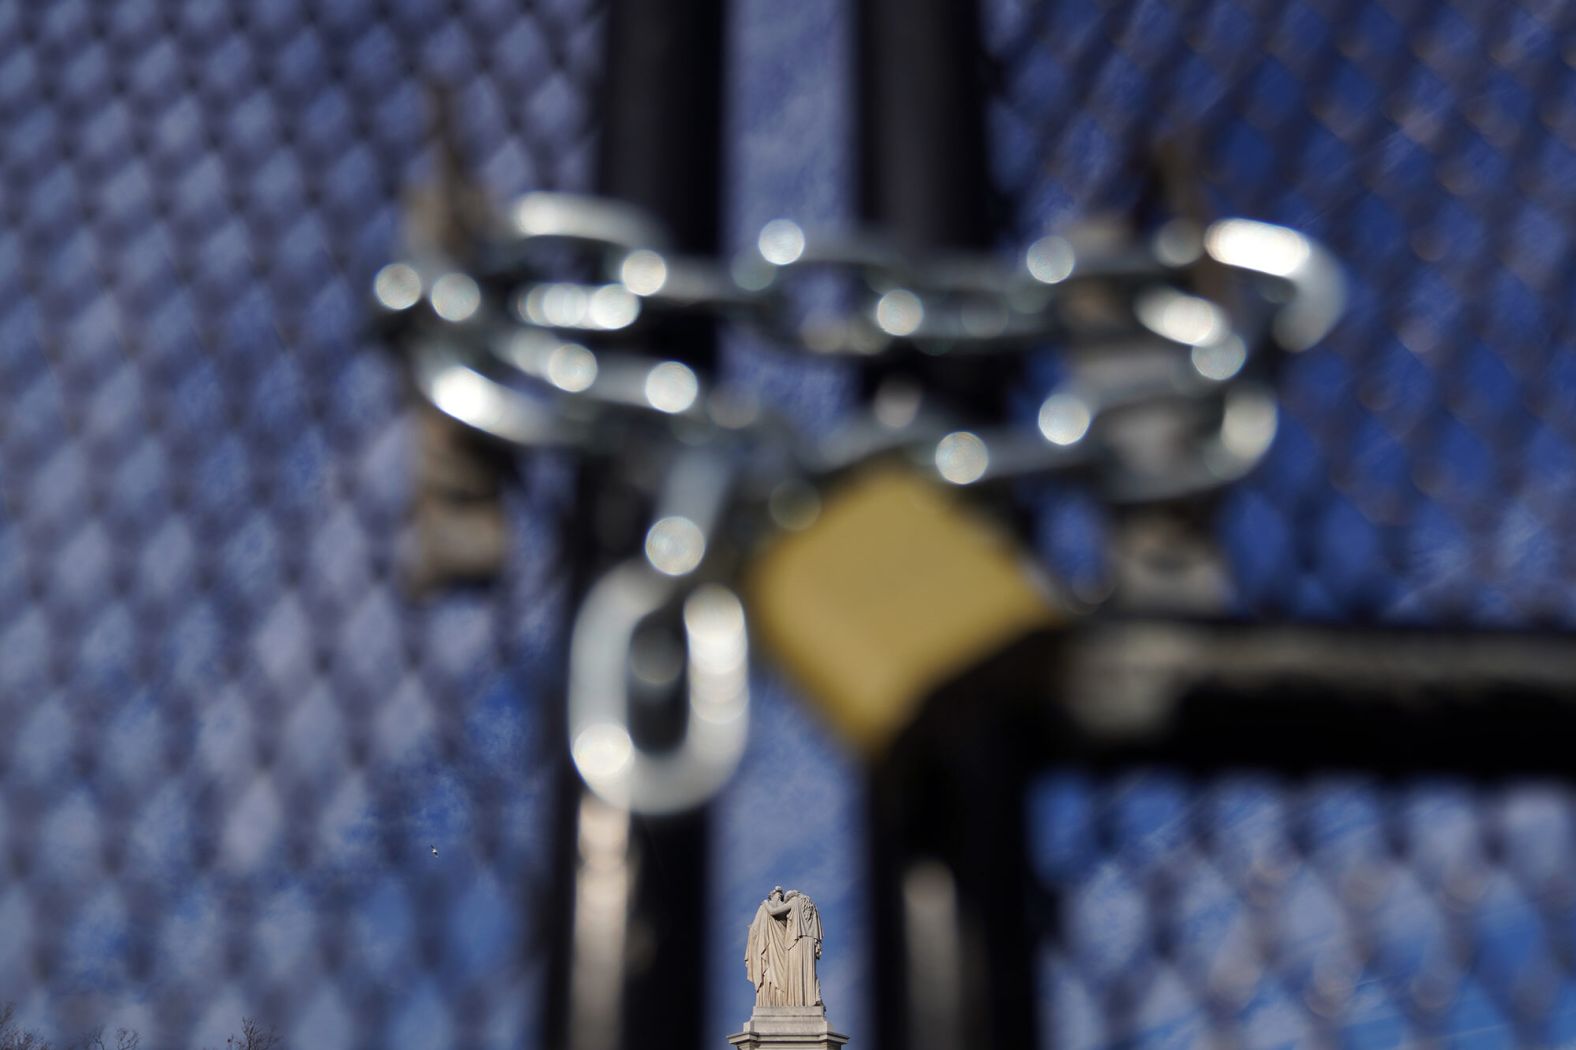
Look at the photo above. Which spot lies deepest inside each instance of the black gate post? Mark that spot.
(949, 894)
(640, 980)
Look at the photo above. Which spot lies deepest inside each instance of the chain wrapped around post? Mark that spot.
(1167, 395)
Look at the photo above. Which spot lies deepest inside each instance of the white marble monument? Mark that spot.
(780, 953)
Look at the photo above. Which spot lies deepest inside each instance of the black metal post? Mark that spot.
(638, 978)
(947, 861)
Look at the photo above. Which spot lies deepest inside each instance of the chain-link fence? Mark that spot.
(243, 774)
(1424, 467)
(1422, 474)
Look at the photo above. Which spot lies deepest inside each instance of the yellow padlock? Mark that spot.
(896, 589)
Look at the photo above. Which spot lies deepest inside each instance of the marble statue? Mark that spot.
(781, 950)
(780, 953)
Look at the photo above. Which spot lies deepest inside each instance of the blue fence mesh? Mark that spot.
(1425, 464)
(1259, 910)
(242, 773)
(1423, 474)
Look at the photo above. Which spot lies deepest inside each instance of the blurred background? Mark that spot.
(246, 772)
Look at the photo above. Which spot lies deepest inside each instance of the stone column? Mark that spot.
(788, 1028)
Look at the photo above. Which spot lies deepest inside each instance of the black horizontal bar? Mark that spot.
(1294, 697)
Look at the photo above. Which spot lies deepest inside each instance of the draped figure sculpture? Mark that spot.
(781, 950)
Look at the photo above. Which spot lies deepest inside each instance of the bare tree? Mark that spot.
(13, 1037)
(125, 1039)
(253, 1037)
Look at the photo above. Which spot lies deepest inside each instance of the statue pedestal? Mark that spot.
(788, 1028)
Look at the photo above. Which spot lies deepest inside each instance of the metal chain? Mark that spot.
(534, 339)
(482, 333)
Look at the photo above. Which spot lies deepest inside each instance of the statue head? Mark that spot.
(777, 892)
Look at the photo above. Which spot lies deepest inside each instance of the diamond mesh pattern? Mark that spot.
(1425, 463)
(240, 773)
(1423, 474)
(1257, 910)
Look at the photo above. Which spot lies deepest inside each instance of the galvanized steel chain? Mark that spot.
(537, 341)
(1140, 340)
